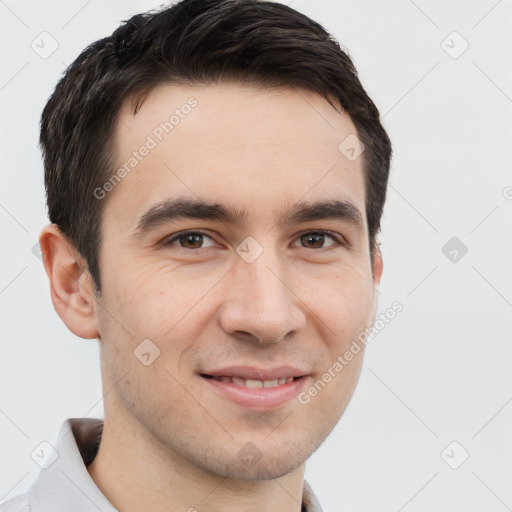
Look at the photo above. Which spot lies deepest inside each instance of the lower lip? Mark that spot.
(258, 398)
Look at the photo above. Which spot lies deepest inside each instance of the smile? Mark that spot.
(255, 394)
(253, 383)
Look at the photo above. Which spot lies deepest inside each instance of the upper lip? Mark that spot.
(251, 372)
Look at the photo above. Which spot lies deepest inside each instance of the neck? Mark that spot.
(135, 472)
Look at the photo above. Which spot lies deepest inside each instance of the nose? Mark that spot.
(260, 302)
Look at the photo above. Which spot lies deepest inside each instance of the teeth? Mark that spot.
(254, 384)
(238, 381)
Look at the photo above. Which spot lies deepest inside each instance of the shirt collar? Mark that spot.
(66, 484)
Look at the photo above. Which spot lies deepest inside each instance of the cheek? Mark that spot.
(150, 299)
(343, 309)
(156, 303)
(329, 394)
(343, 300)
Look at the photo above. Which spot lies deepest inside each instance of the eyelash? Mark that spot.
(177, 236)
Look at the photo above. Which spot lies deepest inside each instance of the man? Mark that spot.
(215, 177)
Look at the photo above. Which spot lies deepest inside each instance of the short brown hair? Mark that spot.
(251, 42)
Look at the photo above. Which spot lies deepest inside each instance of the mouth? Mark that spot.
(256, 389)
(253, 383)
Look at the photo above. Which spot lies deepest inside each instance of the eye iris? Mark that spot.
(192, 237)
(194, 240)
(317, 237)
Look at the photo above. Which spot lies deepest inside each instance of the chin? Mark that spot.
(258, 474)
(250, 464)
(262, 470)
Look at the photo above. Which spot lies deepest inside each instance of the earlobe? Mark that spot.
(71, 286)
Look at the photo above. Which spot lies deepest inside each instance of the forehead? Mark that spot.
(234, 144)
(234, 108)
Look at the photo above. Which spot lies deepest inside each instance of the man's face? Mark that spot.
(214, 306)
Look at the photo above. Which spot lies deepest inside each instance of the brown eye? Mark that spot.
(189, 240)
(194, 240)
(315, 239)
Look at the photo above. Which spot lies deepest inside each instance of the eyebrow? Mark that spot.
(175, 209)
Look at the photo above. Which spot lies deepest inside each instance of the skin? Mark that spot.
(170, 442)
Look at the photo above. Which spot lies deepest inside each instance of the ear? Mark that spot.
(378, 267)
(71, 285)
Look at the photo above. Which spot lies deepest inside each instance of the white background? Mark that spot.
(439, 372)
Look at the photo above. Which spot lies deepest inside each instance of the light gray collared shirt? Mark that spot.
(65, 485)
